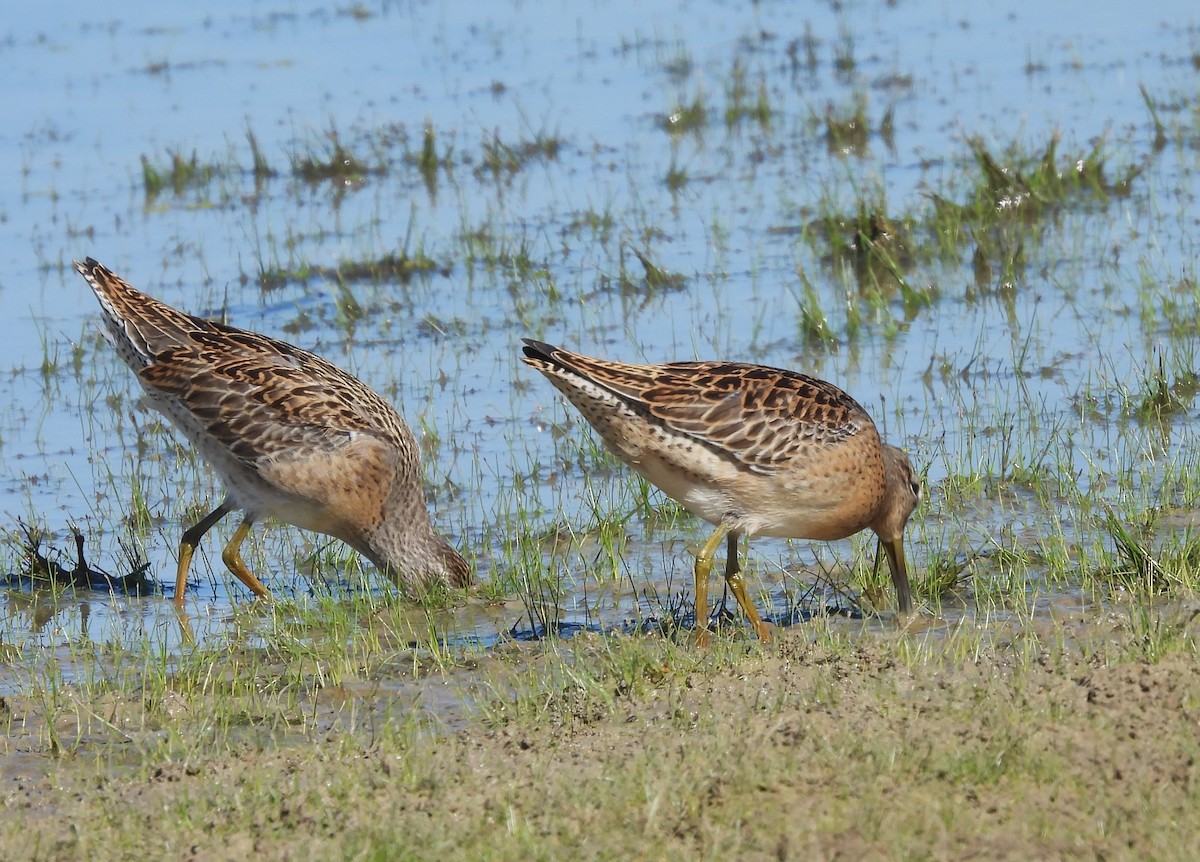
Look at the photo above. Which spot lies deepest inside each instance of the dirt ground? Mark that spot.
(871, 747)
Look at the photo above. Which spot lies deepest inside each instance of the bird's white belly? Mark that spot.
(751, 504)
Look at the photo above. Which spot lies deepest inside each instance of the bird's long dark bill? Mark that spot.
(895, 555)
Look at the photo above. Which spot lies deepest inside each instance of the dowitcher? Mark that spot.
(756, 451)
(293, 436)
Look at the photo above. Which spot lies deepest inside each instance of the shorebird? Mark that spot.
(756, 451)
(293, 436)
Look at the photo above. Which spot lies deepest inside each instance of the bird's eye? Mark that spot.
(916, 489)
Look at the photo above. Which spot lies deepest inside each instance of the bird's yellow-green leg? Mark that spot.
(232, 555)
(737, 586)
(188, 544)
(703, 568)
(731, 566)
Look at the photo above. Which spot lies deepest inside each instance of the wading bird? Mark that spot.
(293, 436)
(756, 451)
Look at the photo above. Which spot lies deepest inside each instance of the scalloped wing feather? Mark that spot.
(760, 416)
(255, 396)
(262, 406)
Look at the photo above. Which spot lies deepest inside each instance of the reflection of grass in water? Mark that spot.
(501, 160)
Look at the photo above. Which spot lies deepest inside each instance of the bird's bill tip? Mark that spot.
(895, 554)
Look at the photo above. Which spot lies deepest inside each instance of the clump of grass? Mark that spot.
(680, 66)
(1017, 186)
(686, 118)
(526, 275)
(595, 224)
(50, 364)
(1000, 569)
(357, 11)
(504, 160)
(676, 178)
(182, 173)
(879, 240)
(1160, 134)
(260, 167)
(655, 279)
(739, 104)
(802, 52)
(398, 266)
(879, 248)
(999, 261)
(532, 566)
(349, 310)
(1011, 199)
(541, 590)
(428, 160)
(1163, 395)
(847, 131)
(813, 324)
(843, 52)
(179, 174)
(887, 128)
(330, 159)
(1144, 569)
(277, 276)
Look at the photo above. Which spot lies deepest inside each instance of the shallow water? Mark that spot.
(989, 377)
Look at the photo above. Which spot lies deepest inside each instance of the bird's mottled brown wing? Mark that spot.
(760, 416)
(256, 396)
(260, 406)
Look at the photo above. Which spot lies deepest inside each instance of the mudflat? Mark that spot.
(1074, 738)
